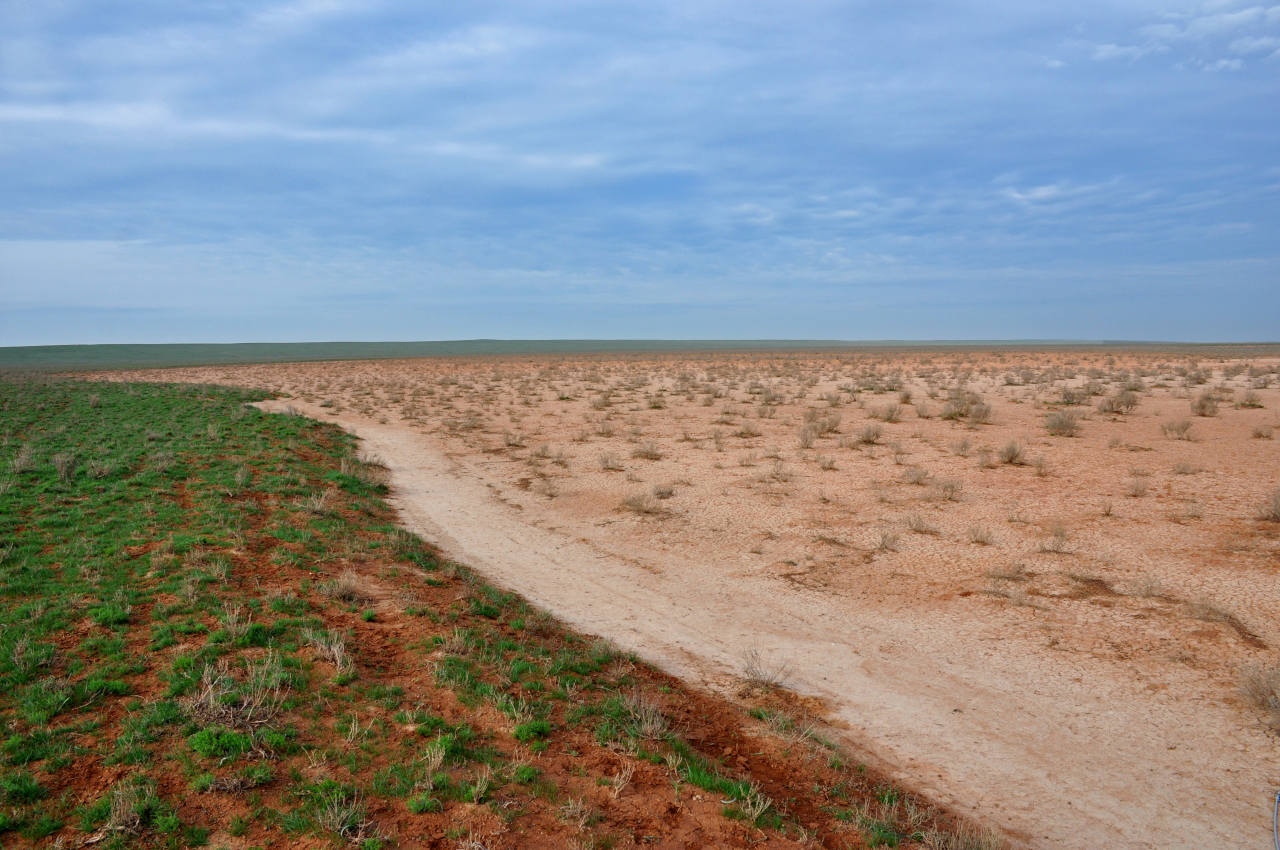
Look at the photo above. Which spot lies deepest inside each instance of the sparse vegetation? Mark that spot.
(200, 627)
(810, 503)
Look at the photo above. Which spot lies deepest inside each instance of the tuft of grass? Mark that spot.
(1270, 510)
(1012, 453)
(648, 450)
(762, 672)
(642, 503)
(1062, 423)
(1260, 685)
(1205, 404)
(870, 435)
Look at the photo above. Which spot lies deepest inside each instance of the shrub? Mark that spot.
(1062, 423)
(642, 503)
(1177, 429)
(1250, 399)
(1270, 511)
(1012, 453)
(1205, 405)
(648, 450)
(1261, 687)
(1122, 402)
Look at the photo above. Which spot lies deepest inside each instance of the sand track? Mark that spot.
(1056, 751)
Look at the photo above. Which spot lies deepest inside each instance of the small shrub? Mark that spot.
(1177, 429)
(642, 503)
(65, 464)
(1122, 402)
(920, 525)
(1062, 423)
(915, 475)
(1204, 405)
(1012, 453)
(1250, 399)
(1261, 687)
(1270, 511)
(648, 450)
(763, 673)
(349, 586)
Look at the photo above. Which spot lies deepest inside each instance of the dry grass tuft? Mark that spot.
(642, 503)
(761, 672)
(1260, 685)
(349, 586)
(1270, 511)
(1062, 423)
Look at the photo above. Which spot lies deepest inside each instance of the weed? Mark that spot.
(761, 672)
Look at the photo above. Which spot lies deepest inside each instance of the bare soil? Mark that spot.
(1052, 645)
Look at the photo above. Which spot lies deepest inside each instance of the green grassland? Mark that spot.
(211, 628)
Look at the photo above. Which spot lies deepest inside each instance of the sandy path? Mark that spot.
(1050, 749)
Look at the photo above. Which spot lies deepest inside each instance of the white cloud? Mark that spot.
(1105, 52)
(1255, 44)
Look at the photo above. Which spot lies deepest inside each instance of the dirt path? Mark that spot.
(1048, 747)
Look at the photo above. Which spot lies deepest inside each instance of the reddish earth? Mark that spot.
(1052, 645)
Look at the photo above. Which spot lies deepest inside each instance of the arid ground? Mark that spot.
(1030, 584)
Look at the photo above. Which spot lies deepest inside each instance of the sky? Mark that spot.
(225, 171)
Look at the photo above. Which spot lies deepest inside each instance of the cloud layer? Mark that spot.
(373, 170)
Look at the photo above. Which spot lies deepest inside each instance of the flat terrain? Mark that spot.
(214, 633)
(1028, 582)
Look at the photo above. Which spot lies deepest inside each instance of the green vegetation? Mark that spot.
(200, 599)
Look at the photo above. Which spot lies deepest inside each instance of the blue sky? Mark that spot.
(354, 169)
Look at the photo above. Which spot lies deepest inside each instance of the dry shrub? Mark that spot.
(1178, 429)
(1062, 423)
(645, 716)
(247, 704)
(1260, 685)
(947, 490)
(1012, 453)
(648, 450)
(1205, 405)
(329, 645)
(761, 672)
(642, 503)
(1270, 511)
(1122, 402)
(350, 586)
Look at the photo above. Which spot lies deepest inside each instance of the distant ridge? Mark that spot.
(143, 356)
